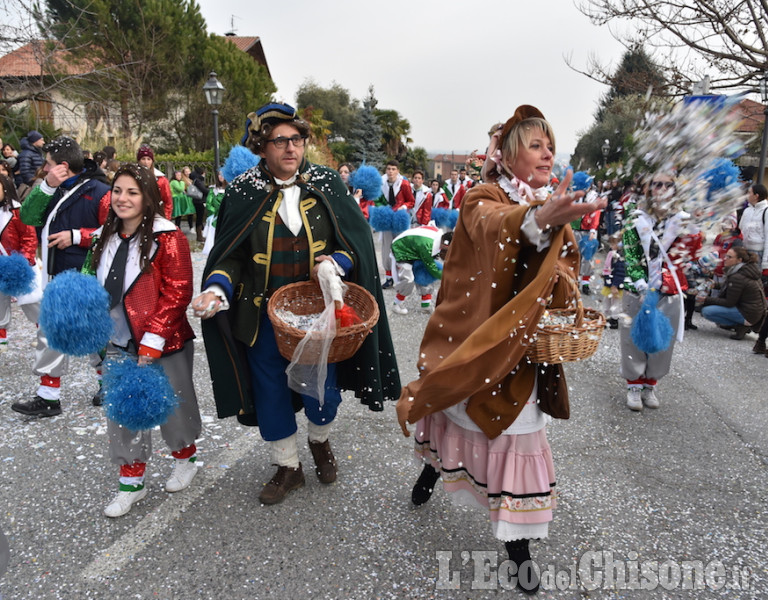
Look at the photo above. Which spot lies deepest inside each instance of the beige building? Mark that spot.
(39, 72)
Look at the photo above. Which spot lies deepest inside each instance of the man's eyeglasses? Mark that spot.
(657, 185)
(281, 142)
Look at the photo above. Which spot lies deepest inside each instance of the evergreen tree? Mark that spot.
(248, 86)
(138, 51)
(365, 136)
(636, 74)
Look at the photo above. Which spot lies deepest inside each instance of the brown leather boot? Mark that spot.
(284, 481)
(325, 462)
(199, 233)
(759, 347)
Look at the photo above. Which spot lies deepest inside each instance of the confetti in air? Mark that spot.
(696, 139)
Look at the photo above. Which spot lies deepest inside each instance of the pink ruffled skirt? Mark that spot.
(512, 476)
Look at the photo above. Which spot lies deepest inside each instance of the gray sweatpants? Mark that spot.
(635, 363)
(47, 361)
(182, 428)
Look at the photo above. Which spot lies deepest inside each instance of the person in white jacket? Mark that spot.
(753, 223)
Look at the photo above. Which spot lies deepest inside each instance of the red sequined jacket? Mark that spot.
(15, 236)
(155, 303)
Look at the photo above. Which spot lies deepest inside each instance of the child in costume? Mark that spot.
(658, 244)
(143, 261)
(700, 283)
(729, 236)
(417, 248)
(15, 236)
(588, 246)
(182, 204)
(614, 272)
(212, 204)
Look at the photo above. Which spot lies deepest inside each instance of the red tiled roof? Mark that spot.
(753, 114)
(35, 59)
(243, 43)
(251, 45)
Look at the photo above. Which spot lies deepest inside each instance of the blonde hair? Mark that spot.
(520, 134)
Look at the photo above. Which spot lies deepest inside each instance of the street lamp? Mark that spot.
(606, 148)
(214, 93)
(764, 146)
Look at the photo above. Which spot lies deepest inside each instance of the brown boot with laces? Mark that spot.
(284, 481)
(325, 462)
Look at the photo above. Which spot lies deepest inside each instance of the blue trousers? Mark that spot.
(722, 315)
(271, 394)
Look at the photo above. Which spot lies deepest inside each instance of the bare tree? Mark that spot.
(726, 40)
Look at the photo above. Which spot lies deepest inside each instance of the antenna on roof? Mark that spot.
(232, 32)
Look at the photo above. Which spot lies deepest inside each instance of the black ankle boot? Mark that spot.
(527, 578)
(425, 484)
(741, 332)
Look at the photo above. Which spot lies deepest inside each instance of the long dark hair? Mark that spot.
(9, 191)
(151, 200)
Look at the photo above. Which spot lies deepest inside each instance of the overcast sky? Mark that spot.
(451, 70)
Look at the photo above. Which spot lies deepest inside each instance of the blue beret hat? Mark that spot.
(269, 113)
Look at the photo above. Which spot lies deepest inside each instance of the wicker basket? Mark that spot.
(306, 298)
(571, 342)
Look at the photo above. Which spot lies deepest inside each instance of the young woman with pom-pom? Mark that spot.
(144, 263)
(396, 196)
(657, 245)
(15, 237)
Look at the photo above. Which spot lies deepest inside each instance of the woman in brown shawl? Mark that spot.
(479, 406)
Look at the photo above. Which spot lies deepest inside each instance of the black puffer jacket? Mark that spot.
(743, 289)
(31, 158)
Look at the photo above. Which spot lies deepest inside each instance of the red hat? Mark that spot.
(145, 151)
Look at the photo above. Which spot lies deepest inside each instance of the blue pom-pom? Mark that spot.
(401, 221)
(137, 397)
(16, 276)
(453, 217)
(74, 314)
(721, 175)
(445, 217)
(651, 329)
(240, 159)
(421, 276)
(380, 218)
(368, 179)
(581, 181)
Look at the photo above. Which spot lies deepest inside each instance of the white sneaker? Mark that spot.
(428, 309)
(4, 346)
(399, 309)
(634, 399)
(122, 503)
(184, 472)
(649, 397)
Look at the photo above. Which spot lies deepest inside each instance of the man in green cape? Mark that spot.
(277, 222)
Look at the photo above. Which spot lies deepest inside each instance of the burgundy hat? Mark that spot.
(145, 151)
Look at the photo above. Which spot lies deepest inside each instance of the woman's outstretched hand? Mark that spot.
(562, 206)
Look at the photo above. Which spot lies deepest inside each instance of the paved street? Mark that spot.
(646, 497)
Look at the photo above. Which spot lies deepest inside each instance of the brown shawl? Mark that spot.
(494, 289)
